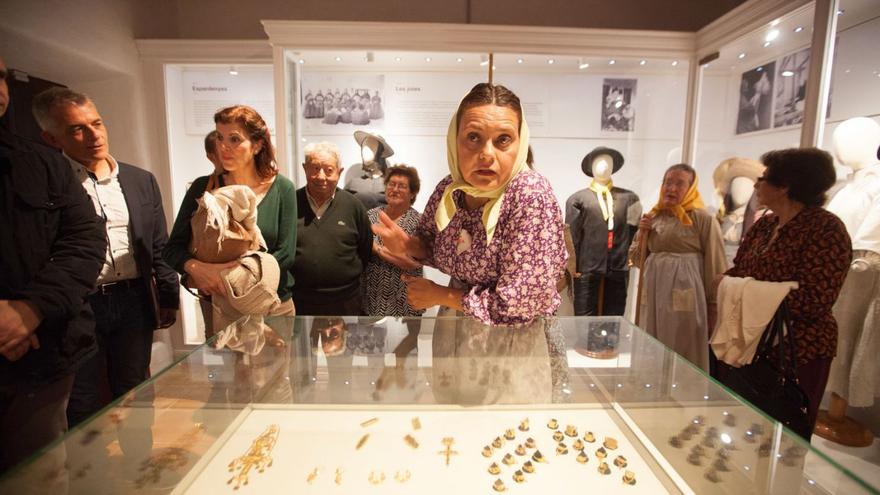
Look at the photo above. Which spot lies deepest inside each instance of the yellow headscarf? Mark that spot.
(691, 201)
(492, 209)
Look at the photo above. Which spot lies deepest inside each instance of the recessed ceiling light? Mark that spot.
(583, 65)
(612, 62)
(798, 29)
(302, 61)
(787, 73)
(775, 22)
(338, 59)
(427, 59)
(766, 44)
(772, 35)
(643, 62)
(551, 61)
(706, 66)
(847, 71)
(519, 60)
(458, 59)
(760, 69)
(397, 59)
(741, 55)
(233, 71)
(674, 63)
(840, 11)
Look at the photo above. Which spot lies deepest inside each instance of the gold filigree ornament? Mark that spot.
(524, 425)
(312, 476)
(375, 479)
(402, 476)
(171, 459)
(448, 452)
(416, 423)
(362, 441)
(411, 441)
(369, 422)
(258, 457)
(338, 477)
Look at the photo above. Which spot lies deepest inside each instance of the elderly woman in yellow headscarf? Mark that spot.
(685, 257)
(493, 225)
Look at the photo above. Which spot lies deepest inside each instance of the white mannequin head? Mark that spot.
(602, 168)
(856, 141)
(741, 189)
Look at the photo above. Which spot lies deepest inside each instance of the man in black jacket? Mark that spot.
(127, 306)
(51, 249)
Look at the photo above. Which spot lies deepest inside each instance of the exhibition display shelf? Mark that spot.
(432, 405)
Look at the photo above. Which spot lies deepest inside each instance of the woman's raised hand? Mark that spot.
(394, 238)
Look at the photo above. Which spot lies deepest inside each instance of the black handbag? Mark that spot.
(770, 381)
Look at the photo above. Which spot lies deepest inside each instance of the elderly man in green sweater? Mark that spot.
(333, 242)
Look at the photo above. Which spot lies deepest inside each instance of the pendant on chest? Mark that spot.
(464, 242)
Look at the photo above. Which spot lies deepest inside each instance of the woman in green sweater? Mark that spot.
(245, 150)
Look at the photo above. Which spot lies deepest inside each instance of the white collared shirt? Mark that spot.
(319, 210)
(109, 202)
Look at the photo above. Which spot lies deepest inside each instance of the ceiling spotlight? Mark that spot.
(519, 60)
(766, 44)
(583, 65)
(741, 55)
(397, 59)
(706, 66)
(840, 12)
(551, 61)
(674, 63)
(233, 71)
(775, 22)
(798, 29)
(787, 73)
(643, 62)
(484, 60)
(772, 35)
(427, 59)
(760, 69)
(458, 60)
(338, 59)
(612, 62)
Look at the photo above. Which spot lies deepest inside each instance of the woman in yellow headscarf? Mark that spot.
(686, 255)
(493, 225)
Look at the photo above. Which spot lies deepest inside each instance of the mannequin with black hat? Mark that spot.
(734, 180)
(603, 221)
(366, 182)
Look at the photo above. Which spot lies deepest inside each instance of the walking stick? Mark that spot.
(643, 254)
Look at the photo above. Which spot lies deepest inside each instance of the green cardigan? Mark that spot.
(276, 217)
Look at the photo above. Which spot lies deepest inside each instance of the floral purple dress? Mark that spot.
(513, 279)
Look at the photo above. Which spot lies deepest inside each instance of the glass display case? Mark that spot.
(433, 405)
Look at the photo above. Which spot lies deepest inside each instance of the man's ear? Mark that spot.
(50, 139)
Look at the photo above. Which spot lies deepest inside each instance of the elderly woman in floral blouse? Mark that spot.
(494, 225)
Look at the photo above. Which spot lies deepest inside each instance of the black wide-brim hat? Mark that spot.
(616, 158)
(373, 141)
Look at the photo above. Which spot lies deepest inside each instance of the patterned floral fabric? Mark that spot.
(384, 291)
(513, 279)
(812, 249)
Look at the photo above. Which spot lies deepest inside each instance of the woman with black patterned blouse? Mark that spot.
(384, 290)
(800, 242)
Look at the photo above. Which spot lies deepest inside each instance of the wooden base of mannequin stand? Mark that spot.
(834, 425)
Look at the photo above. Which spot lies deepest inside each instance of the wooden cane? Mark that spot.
(643, 254)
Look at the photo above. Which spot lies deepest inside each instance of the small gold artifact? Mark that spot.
(582, 457)
(448, 452)
(603, 468)
(402, 477)
(257, 457)
(561, 449)
(601, 453)
(710, 442)
(620, 461)
(530, 443)
(494, 468)
(695, 459)
(629, 477)
(411, 441)
(676, 442)
(699, 420)
(487, 451)
(558, 436)
(578, 445)
(720, 465)
(376, 480)
(311, 477)
(571, 431)
(508, 459)
(362, 441)
(610, 443)
(539, 457)
(528, 467)
(520, 450)
(369, 422)
(338, 478)
(498, 486)
(524, 425)
(497, 443)
(552, 424)
(509, 434)
(729, 420)
(518, 476)
(712, 475)
(589, 437)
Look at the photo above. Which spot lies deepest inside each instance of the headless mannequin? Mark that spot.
(854, 375)
(733, 223)
(367, 181)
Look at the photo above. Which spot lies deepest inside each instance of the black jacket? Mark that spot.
(52, 247)
(149, 232)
